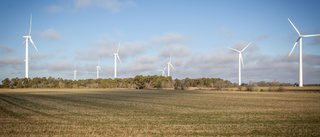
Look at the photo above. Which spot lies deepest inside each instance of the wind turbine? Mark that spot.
(116, 55)
(26, 41)
(240, 60)
(300, 38)
(98, 68)
(75, 74)
(163, 71)
(170, 65)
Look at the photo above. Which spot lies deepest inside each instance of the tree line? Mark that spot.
(138, 82)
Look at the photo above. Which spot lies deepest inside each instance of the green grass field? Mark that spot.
(106, 112)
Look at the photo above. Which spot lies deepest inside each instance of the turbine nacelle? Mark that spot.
(26, 37)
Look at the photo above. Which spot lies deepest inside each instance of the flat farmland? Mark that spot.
(123, 112)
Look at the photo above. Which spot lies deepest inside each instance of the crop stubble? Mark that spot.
(64, 112)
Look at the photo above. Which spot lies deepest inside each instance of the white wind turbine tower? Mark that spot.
(170, 65)
(116, 55)
(98, 68)
(26, 41)
(75, 74)
(240, 60)
(300, 38)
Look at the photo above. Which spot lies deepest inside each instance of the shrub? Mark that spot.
(239, 88)
(280, 88)
(251, 86)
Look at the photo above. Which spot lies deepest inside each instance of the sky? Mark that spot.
(80, 34)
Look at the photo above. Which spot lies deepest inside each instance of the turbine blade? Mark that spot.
(172, 66)
(294, 27)
(119, 58)
(30, 24)
(100, 68)
(163, 71)
(246, 46)
(312, 35)
(241, 60)
(24, 41)
(234, 49)
(33, 45)
(118, 47)
(294, 46)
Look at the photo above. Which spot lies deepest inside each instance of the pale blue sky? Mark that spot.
(197, 33)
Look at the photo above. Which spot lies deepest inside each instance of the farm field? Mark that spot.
(125, 112)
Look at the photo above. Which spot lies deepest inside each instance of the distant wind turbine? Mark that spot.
(240, 60)
(26, 41)
(170, 65)
(163, 71)
(75, 74)
(300, 38)
(98, 68)
(116, 55)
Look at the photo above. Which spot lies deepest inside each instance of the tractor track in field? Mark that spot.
(26, 108)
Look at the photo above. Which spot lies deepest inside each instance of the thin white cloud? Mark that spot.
(82, 3)
(261, 37)
(107, 48)
(170, 38)
(209, 63)
(226, 34)
(119, 32)
(88, 55)
(139, 67)
(312, 60)
(112, 5)
(143, 65)
(40, 56)
(146, 59)
(54, 9)
(130, 49)
(177, 50)
(11, 60)
(315, 41)
(61, 66)
(51, 34)
(5, 49)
